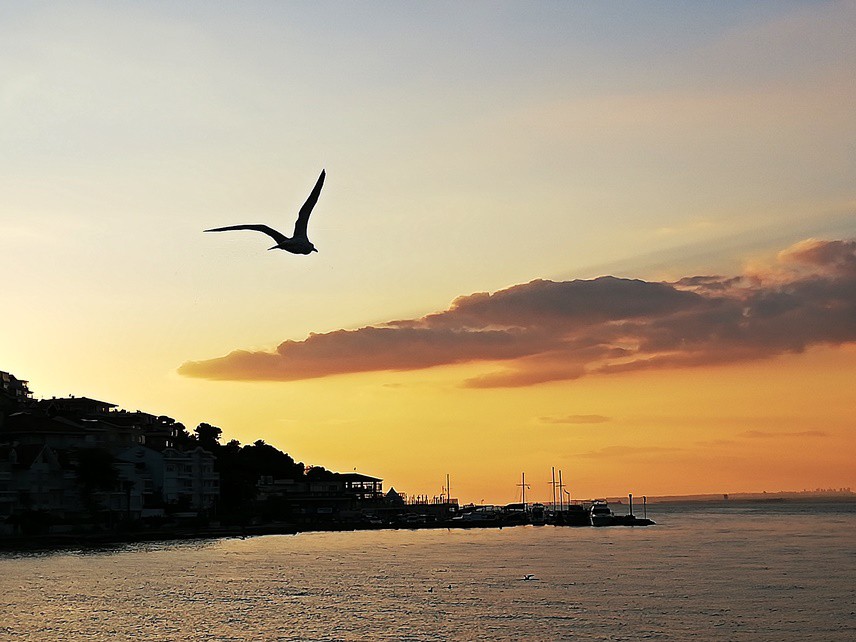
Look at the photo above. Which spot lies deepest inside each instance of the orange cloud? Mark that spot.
(552, 331)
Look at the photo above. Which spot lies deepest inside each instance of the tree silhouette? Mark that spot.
(208, 436)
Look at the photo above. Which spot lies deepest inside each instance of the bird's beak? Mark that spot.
(314, 250)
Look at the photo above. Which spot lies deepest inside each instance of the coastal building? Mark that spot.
(120, 427)
(362, 487)
(14, 394)
(58, 431)
(14, 388)
(48, 490)
(394, 498)
(77, 460)
(63, 488)
(77, 407)
(75, 422)
(32, 478)
(158, 432)
(353, 487)
(186, 480)
(328, 496)
(190, 477)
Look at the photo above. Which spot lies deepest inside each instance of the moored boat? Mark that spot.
(600, 513)
(572, 515)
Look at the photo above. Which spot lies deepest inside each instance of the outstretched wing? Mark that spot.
(306, 210)
(276, 236)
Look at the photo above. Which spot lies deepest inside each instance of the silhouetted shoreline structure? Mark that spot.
(81, 469)
(80, 466)
(77, 470)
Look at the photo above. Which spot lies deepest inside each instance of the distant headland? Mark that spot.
(818, 494)
(77, 465)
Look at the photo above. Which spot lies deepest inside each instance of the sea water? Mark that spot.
(726, 571)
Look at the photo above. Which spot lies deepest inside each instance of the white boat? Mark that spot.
(601, 514)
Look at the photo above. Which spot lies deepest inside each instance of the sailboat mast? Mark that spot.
(553, 484)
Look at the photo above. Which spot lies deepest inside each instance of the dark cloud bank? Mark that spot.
(552, 331)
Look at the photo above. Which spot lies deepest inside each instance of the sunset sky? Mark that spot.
(614, 238)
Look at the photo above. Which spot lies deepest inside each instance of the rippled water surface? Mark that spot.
(705, 572)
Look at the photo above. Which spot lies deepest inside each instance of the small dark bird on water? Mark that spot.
(299, 243)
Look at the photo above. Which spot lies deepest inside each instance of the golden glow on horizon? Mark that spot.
(744, 427)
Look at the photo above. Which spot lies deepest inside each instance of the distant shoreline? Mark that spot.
(790, 496)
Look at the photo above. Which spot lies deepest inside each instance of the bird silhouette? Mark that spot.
(299, 243)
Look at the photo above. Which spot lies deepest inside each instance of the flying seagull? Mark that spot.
(298, 243)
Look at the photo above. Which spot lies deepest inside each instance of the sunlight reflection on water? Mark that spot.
(758, 573)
